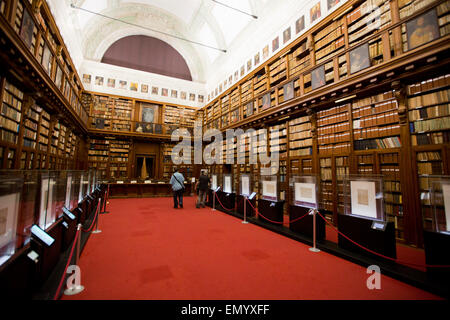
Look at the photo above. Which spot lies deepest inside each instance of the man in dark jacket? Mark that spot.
(202, 187)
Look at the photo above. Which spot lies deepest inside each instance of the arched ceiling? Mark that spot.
(203, 21)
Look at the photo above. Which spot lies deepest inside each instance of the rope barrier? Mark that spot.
(278, 222)
(235, 206)
(95, 218)
(378, 254)
(67, 265)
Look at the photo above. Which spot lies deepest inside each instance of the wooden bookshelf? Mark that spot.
(334, 130)
(300, 137)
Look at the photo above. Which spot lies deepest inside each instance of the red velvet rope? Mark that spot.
(95, 218)
(378, 254)
(235, 206)
(67, 265)
(292, 221)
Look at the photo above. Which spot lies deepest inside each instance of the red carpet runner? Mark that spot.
(148, 250)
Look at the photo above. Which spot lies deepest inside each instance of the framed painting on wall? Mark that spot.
(359, 58)
(300, 24)
(422, 29)
(318, 77)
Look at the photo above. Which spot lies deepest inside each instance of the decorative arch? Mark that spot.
(147, 54)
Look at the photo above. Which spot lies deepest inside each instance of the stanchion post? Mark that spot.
(245, 210)
(77, 288)
(105, 196)
(214, 201)
(314, 249)
(96, 223)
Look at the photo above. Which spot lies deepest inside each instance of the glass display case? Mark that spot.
(246, 185)
(363, 196)
(270, 188)
(47, 199)
(304, 191)
(10, 198)
(214, 181)
(75, 190)
(440, 200)
(228, 186)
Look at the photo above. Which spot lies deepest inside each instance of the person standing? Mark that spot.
(202, 187)
(177, 182)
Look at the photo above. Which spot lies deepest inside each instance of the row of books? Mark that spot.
(334, 128)
(391, 186)
(390, 170)
(429, 99)
(390, 142)
(430, 112)
(369, 110)
(394, 209)
(334, 148)
(11, 113)
(408, 7)
(433, 168)
(430, 125)
(374, 24)
(429, 84)
(8, 136)
(333, 138)
(336, 44)
(429, 156)
(430, 138)
(376, 120)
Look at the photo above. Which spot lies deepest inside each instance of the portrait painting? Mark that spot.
(149, 113)
(287, 35)
(275, 44)
(256, 59)
(134, 86)
(249, 109)
(201, 98)
(359, 58)
(174, 94)
(192, 96)
(242, 71)
(265, 52)
(183, 95)
(332, 3)
(236, 75)
(86, 77)
(144, 88)
(155, 90)
(230, 79)
(265, 103)
(111, 83)
(300, 24)
(318, 77)
(46, 59)
(122, 84)
(249, 65)
(422, 29)
(288, 91)
(315, 12)
(26, 32)
(165, 92)
(98, 81)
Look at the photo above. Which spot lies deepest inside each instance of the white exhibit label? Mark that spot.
(446, 196)
(305, 194)
(9, 207)
(119, 182)
(147, 181)
(80, 194)
(270, 190)
(50, 218)
(363, 199)
(245, 185)
(68, 191)
(227, 184)
(214, 182)
(44, 203)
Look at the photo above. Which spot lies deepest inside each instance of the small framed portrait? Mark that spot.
(216, 92)
(165, 92)
(249, 65)
(201, 98)
(242, 71)
(275, 44)
(236, 75)
(265, 52)
(111, 83)
(149, 113)
(230, 79)
(249, 109)
(359, 58)
(134, 86)
(287, 35)
(300, 24)
(422, 29)
(174, 93)
(183, 95)
(144, 88)
(98, 81)
(225, 83)
(192, 97)
(209, 97)
(265, 101)
(220, 88)
(318, 77)
(100, 123)
(314, 12)
(288, 91)
(46, 59)
(86, 78)
(155, 90)
(332, 3)
(256, 59)
(26, 32)
(122, 84)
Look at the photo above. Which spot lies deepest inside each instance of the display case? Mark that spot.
(10, 198)
(440, 199)
(214, 182)
(47, 199)
(304, 191)
(363, 219)
(270, 188)
(228, 186)
(246, 196)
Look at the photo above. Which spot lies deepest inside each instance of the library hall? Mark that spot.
(225, 159)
